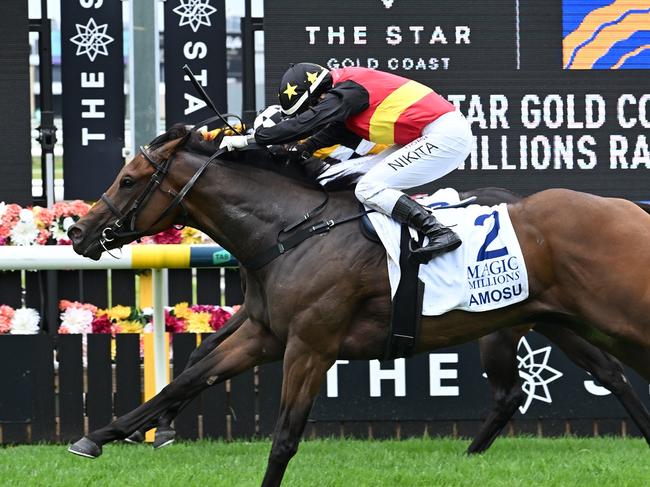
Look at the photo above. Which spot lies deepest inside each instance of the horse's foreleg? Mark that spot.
(250, 345)
(604, 368)
(165, 433)
(499, 359)
(304, 371)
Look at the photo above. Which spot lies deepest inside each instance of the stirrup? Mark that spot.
(425, 253)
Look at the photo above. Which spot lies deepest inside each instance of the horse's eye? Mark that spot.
(127, 182)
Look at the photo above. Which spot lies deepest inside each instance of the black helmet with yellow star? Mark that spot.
(301, 86)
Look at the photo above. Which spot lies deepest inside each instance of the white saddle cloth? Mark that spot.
(486, 272)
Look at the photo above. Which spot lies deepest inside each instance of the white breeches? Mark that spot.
(443, 146)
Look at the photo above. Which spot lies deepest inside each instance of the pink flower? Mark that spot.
(76, 208)
(218, 317)
(203, 308)
(169, 236)
(10, 217)
(65, 304)
(12, 212)
(174, 324)
(43, 237)
(79, 208)
(6, 314)
(63, 330)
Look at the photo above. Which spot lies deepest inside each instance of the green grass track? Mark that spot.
(420, 462)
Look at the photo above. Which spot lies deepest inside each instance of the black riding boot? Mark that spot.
(441, 238)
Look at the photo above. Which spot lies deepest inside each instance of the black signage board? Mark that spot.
(557, 91)
(92, 63)
(195, 34)
(15, 184)
(449, 384)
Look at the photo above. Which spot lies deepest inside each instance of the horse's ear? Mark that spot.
(176, 131)
(173, 145)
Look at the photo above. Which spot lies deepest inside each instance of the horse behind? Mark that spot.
(586, 257)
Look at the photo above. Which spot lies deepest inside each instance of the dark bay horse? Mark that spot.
(329, 298)
(498, 352)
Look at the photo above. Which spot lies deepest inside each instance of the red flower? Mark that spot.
(219, 318)
(102, 324)
(173, 324)
(169, 236)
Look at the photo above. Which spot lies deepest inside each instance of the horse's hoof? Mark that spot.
(85, 448)
(135, 438)
(164, 437)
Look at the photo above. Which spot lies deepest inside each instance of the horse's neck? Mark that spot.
(243, 209)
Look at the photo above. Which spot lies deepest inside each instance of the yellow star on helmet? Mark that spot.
(312, 77)
(290, 91)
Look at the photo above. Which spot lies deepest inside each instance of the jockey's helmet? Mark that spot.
(302, 85)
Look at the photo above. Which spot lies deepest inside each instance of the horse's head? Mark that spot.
(141, 201)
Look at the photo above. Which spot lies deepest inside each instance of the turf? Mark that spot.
(421, 462)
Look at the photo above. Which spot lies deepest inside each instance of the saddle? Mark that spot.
(406, 310)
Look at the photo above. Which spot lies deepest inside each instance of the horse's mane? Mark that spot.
(255, 155)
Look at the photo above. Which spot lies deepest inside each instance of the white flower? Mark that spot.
(25, 322)
(26, 215)
(57, 232)
(68, 221)
(24, 233)
(77, 320)
(3, 208)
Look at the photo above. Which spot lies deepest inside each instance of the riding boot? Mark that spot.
(441, 238)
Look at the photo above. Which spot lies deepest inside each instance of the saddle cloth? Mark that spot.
(486, 272)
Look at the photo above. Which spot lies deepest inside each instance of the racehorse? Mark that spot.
(498, 352)
(329, 297)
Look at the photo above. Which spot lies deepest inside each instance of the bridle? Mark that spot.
(288, 237)
(124, 224)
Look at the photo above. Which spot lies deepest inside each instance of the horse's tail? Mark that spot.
(644, 206)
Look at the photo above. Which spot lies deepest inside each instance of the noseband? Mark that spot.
(124, 225)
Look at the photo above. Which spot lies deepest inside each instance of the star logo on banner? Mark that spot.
(536, 373)
(195, 13)
(387, 3)
(91, 39)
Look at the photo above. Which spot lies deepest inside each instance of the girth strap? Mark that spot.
(407, 304)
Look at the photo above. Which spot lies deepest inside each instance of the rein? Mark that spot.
(124, 224)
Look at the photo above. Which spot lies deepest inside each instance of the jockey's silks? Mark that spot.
(398, 109)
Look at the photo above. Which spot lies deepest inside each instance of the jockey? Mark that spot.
(324, 156)
(431, 137)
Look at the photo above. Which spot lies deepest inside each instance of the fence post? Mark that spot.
(161, 365)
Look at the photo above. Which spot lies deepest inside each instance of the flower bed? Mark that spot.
(36, 225)
(87, 318)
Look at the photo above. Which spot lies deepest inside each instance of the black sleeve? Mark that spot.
(332, 134)
(339, 103)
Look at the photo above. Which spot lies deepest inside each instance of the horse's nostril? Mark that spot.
(75, 233)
